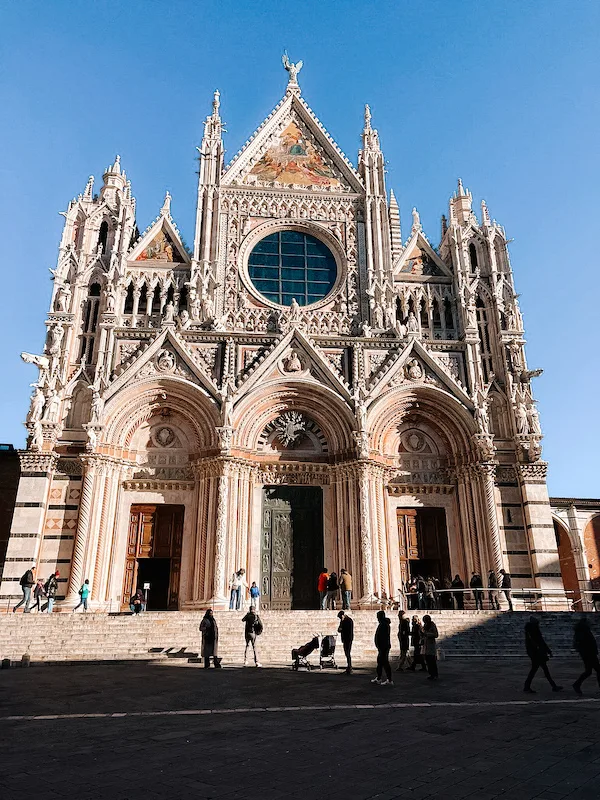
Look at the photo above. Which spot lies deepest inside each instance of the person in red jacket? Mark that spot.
(322, 587)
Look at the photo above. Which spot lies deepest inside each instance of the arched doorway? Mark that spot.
(591, 543)
(568, 569)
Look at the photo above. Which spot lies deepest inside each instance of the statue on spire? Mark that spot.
(293, 69)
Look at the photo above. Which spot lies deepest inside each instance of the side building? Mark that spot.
(305, 386)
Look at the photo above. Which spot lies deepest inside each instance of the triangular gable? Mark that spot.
(161, 244)
(292, 148)
(420, 259)
(317, 366)
(188, 369)
(415, 350)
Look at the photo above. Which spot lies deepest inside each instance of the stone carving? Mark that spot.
(37, 437)
(111, 299)
(169, 315)
(292, 363)
(363, 445)
(290, 427)
(97, 404)
(52, 407)
(37, 404)
(414, 371)
(522, 419)
(92, 439)
(63, 296)
(534, 420)
(412, 324)
(56, 334)
(292, 69)
(165, 361)
(164, 436)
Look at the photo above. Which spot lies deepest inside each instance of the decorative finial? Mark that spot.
(461, 191)
(166, 207)
(367, 117)
(485, 214)
(87, 193)
(116, 167)
(216, 103)
(293, 70)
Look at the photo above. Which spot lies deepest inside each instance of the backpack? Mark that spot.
(258, 626)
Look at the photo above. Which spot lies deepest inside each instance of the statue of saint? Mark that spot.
(522, 419)
(413, 325)
(37, 404)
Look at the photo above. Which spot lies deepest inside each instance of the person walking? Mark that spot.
(477, 585)
(416, 639)
(38, 594)
(383, 644)
(346, 631)
(459, 595)
(493, 591)
(430, 634)
(322, 588)
(210, 640)
(51, 588)
(253, 627)
(332, 591)
(27, 581)
(539, 653)
(585, 644)
(506, 586)
(346, 587)
(84, 593)
(404, 640)
(255, 597)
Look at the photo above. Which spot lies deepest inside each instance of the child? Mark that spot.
(84, 593)
(39, 593)
(254, 596)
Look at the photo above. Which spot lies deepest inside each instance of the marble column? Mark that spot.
(76, 576)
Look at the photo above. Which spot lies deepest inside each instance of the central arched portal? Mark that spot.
(291, 554)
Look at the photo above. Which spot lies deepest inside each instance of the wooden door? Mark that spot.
(142, 520)
(408, 540)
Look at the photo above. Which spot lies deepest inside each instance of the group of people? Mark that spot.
(209, 631)
(42, 592)
(429, 593)
(238, 587)
(329, 586)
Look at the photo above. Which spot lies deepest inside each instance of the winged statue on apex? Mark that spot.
(292, 68)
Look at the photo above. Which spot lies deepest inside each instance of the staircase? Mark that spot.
(163, 635)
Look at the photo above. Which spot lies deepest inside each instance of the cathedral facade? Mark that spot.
(305, 387)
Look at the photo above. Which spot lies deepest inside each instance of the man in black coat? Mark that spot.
(539, 653)
(477, 585)
(404, 639)
(506, 586)
(27, 581)
(383, 644)
(585, 644)
(346, 631)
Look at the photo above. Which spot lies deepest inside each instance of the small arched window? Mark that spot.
(90, 323)
(128, 307)
(424, 315)
(435, 315)
(103, 236)
(473, 257)
(143, 301)
(156, 300)
(183, 298)
(399, 314)
(449, 319)
(171, 294)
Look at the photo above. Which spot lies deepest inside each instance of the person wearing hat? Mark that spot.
(51, 588)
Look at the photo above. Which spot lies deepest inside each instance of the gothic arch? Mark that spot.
(444, 419)
(260, 407)
(568, 565)
(129, 409)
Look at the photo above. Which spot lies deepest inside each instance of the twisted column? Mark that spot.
(221, 533)
(102, 532)
(366, 538)
(83, 524)
(488, 472)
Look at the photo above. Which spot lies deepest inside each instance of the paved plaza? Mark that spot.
(123, 731)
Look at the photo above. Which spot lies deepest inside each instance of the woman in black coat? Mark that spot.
(416, 639)
(210, 639)
(383, 644)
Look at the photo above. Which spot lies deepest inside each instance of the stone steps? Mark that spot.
(164, 635)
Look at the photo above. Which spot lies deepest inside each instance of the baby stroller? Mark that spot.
(327, 652)
(300, 655)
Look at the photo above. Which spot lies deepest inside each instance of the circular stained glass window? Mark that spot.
(291, 264)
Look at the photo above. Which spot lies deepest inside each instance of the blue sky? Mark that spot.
(502, 94)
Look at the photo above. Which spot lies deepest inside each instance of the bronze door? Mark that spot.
(423, 543)
(291, 547)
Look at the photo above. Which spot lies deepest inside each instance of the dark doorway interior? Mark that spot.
(156, 572)
(291, 546)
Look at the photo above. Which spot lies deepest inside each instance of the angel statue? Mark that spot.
(293, 69)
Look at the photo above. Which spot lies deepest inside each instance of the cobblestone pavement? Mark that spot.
(273, 733)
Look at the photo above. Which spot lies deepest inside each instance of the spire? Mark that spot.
(213, 125)
(416, 226)
(370, 136)
(87, 192)
(116, 167)
(293, 70)
(367, 118)
(216, 104)
(395, 231)
(485, 215)
(114, 181)
(461, 205)
(166, 206)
